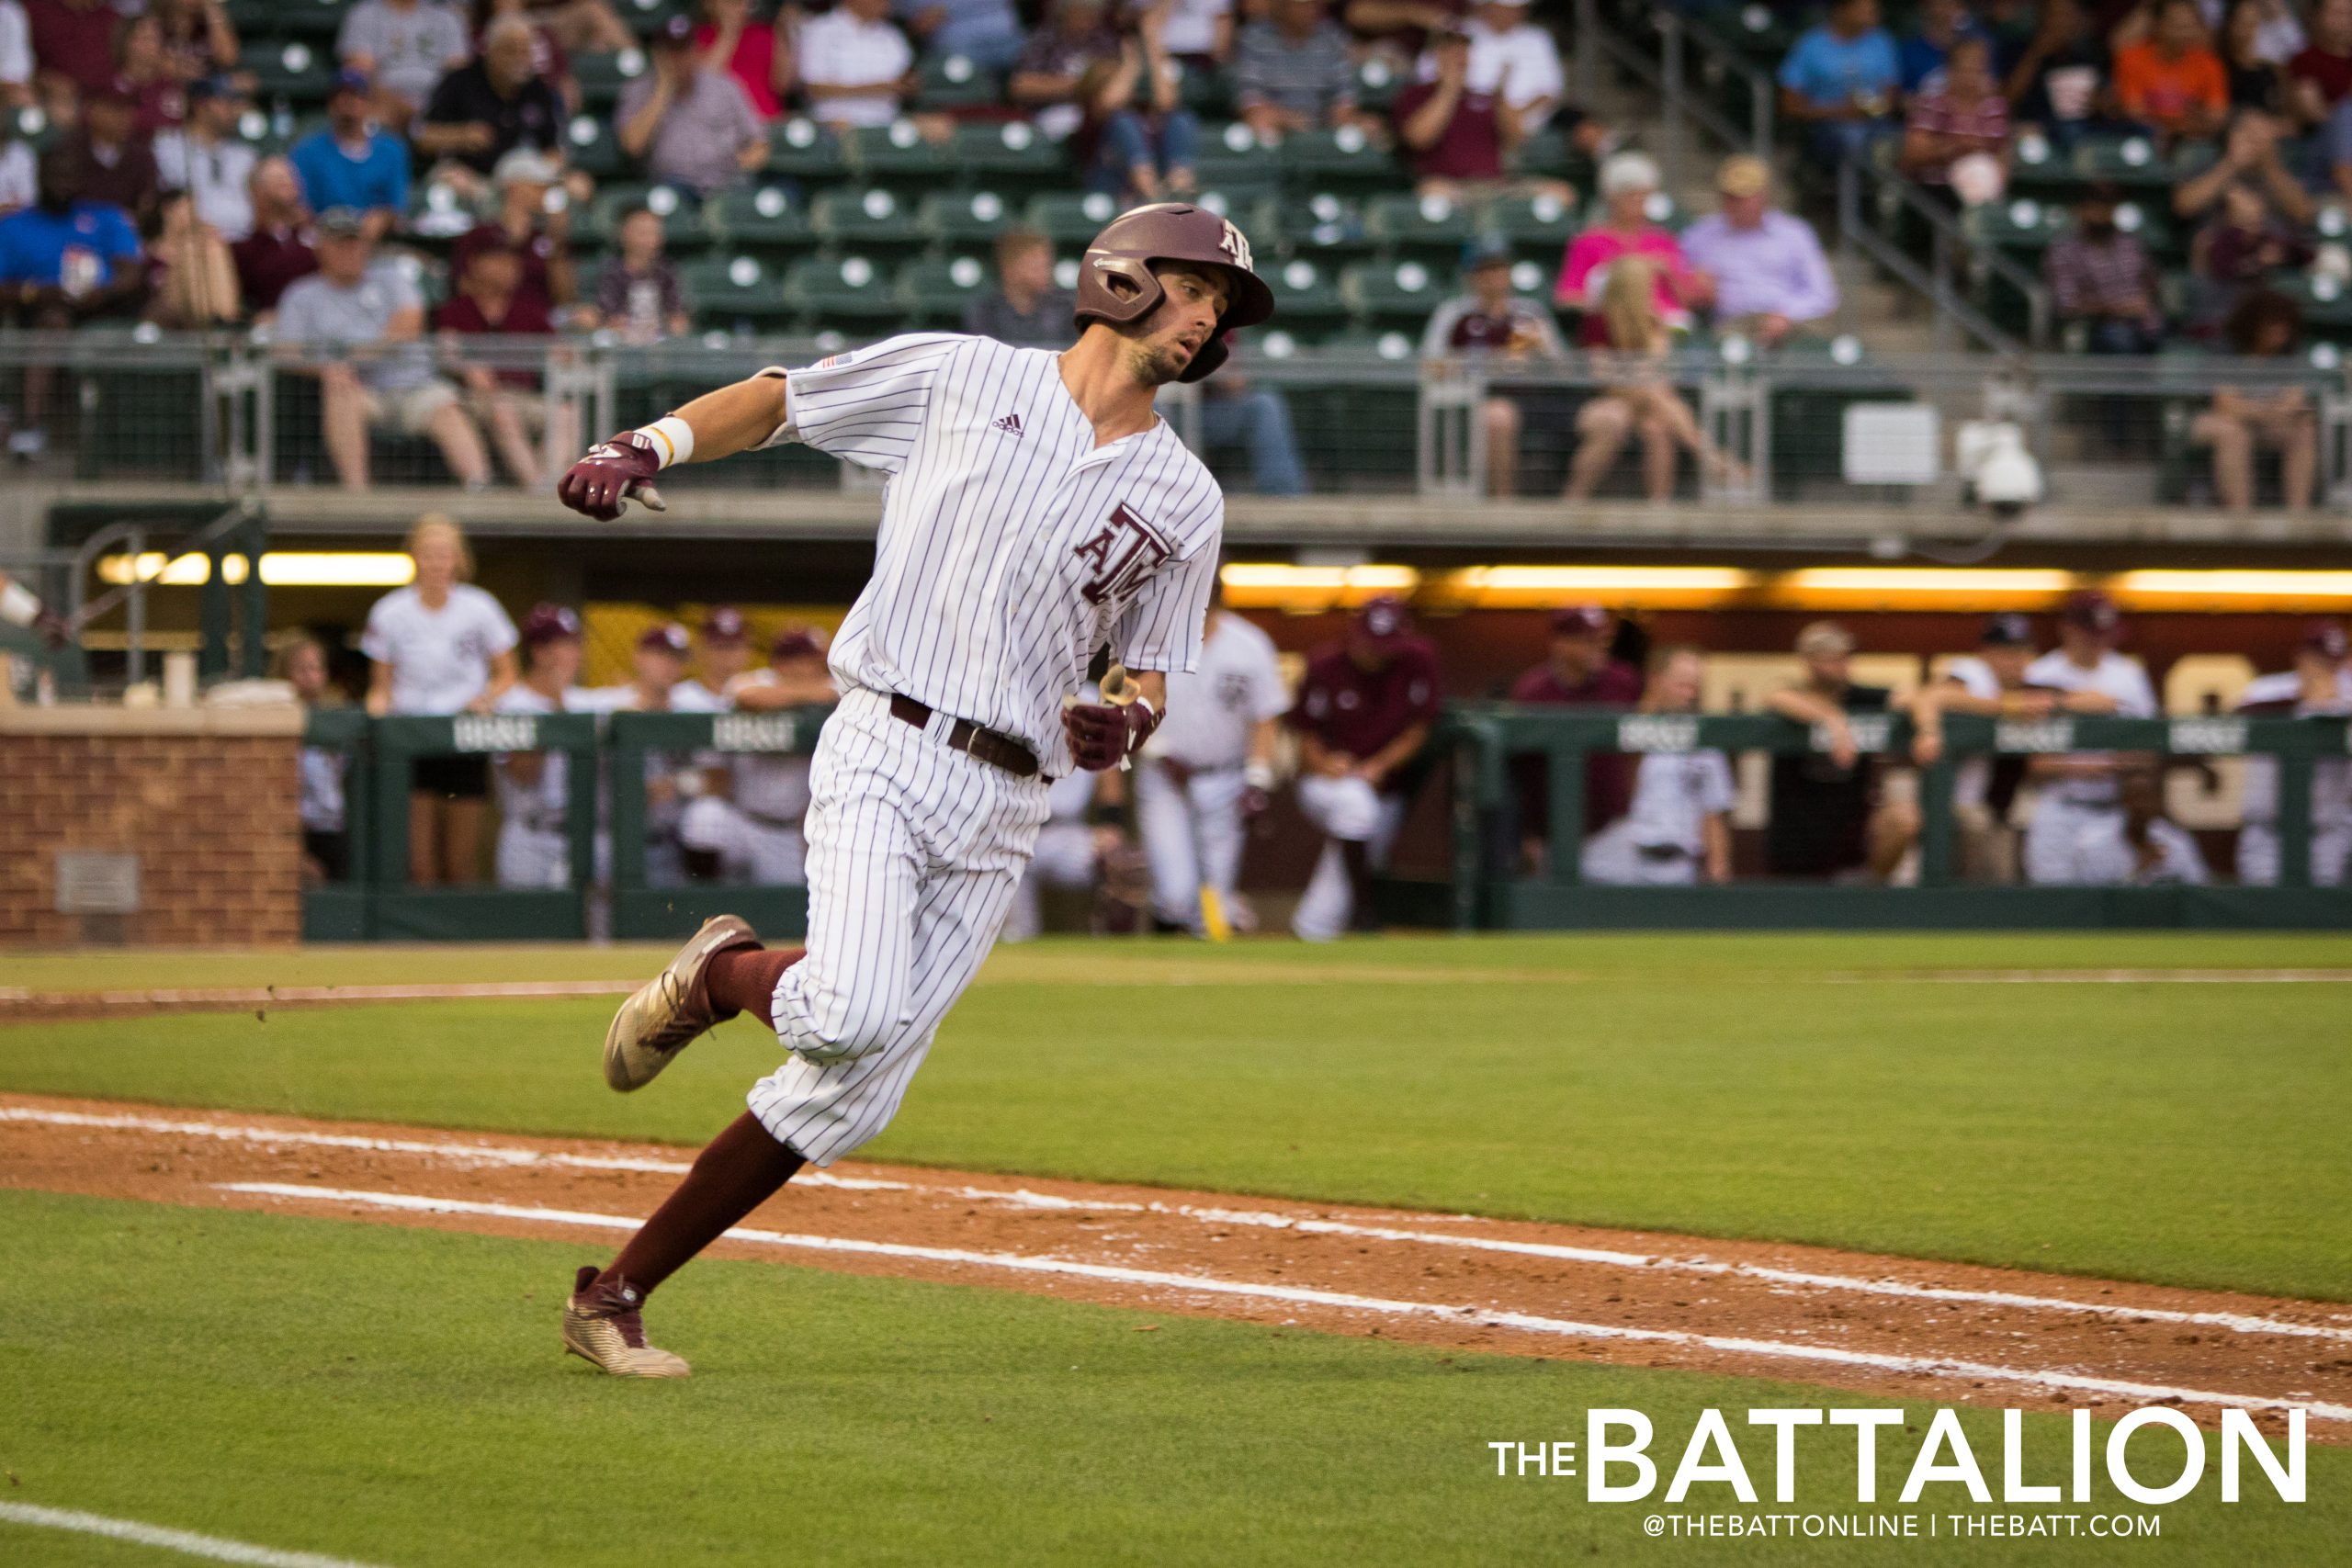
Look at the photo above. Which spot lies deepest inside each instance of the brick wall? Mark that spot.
(208, 805)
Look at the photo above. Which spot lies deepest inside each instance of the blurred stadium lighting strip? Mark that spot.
(1921, 588)
(1628, 587)
(1301, 590)
(2234, 590)
(279, 569)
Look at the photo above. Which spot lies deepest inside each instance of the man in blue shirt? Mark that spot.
(1841, 79)
(1942, 23)
(63, 261)
(353, 164)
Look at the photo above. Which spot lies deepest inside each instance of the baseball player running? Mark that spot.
(1037, 509)
(2320, 682)
(1209, 768)
(753, 834)
(2076, 832)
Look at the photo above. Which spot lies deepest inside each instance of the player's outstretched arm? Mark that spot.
(717, 424)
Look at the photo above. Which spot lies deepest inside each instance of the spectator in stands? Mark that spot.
(549, 60)
(2253, 153)
(504, 397)
(1062, 66)
(2171, 83)
(193, 275)
(1841, 79)
(357, 325)
(534, 222)
(1941, 24)
(1628, 181)
(405, 47)
(278, 250)
(65, 260)
(1677, 828)
(205, 159)
(856, 67)
(1198, 34)
(2320, 685)
(2077, 832)
(1291, 72)
(582, 26)
(1827, 819)
(2059, 85)
(301, 663)
(1637, 396)
(638, 294)
(197, 38)
(691, 124)
(1366, 708)
(2245, 244)
(19, 174)
(2318, 78)
(438, 647)
(1771, 279)
(757, 52)
(1578, 671)
(1234, 412)
(986, 32)
(1510, 56)
(2265, 325)
(1396, 29)
(2103, 277)
(1148, 138)
(16, 56)
(73, 44)
(1459, 140)
(1959, 116)
(351, 162)
(1025, 309)
(1491, 324)
(110, 157)
(143, 74)
(483, 111)
(2256, 80)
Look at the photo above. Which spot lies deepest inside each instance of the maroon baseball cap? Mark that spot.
(2325, 637)
(667, 638)
(1384, 619)
(795, 644)
(1580, 620)
(548, 623)
(2088, 609)
(724, 624)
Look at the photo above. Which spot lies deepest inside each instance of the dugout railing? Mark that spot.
(1481, 894)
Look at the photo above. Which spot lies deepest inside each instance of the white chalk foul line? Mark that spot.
(2088, 977)
(187, 1541)
(266, 996)
(511, 1156)
(1936, 1367)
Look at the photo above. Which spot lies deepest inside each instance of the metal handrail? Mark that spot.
(1947, 239)
(86, 610)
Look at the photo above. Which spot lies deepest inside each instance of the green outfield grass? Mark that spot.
(396, 1396)
(1722, 1086)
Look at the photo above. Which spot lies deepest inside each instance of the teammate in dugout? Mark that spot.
(534, 787)
(1039, 512)
(1363, 715)
(1676, 827)
(2320, 682)
(754, 832)
(2076, 834)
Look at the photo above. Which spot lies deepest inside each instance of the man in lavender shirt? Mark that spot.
(1771, 280)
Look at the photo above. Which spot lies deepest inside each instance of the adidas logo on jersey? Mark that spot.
(1010, 424)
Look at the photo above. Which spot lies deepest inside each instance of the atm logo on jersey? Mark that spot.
(1120, 555)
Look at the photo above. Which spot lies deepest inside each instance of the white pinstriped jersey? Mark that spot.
(2282, 695)
(2124, 680)
(1012, 547)
(1213, 709)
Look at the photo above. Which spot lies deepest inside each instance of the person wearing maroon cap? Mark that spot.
(1364, 710)
(2320, 683)
(534, 788)
(752, 831)
(2076, 834)
(723, 653)
(657, 667)
(1578, 672)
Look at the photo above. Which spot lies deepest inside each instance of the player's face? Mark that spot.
(436, 559)
(2008, 664)
(658, 668)
(1576, 652)
(556, 661)
(722, 661)
(1179, 328)
(306, 670)
(1677, 684)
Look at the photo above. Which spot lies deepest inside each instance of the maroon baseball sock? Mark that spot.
(742, 1168)
(743, 979)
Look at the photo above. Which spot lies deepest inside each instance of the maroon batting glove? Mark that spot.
(1102, 736)
(602, 484)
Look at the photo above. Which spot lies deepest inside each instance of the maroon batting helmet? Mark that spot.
(1115, 284)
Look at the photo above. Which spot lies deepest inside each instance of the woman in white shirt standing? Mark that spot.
(439, 646)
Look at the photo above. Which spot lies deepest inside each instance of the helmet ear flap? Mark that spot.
(1115, 289)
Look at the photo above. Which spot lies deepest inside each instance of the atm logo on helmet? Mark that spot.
(1236, 244)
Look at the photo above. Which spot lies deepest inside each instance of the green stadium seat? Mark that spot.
(2122, 159)
(437, 211)
(1324, 228)
(2327, 304)
(297, 71)
(1307, 301)
(934, 292)
(683, 225)
(1538, 227)
(1394, 344)
(1661, 209)
(1232, 162)
(871, 219)
(836, 292)
(2020, 224)
(1378, 81)
(735, 288)
(1422, 228)
(1754, 31)
(2035, 168)
(897, 155)
(1009, 155)
(312, 21)
(1344, 159)
(954, 82)
(602, 78)
(800, 149)
(646, 17)
(1208, 94)
(963, 221)
(592, 148)
(764, 219)
(1070, 219)
(1397, 296)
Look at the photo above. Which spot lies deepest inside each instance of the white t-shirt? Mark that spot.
(837, 50)
(1211, 710)
(1191, 27)
(1674, 794)
(2282, 695)
(15, 45)
(2119, 678)
(1012, 547)
(2178, 862)
(19, 178)
(1972, 781)
(216, 177)
(1526, 52)
(321, 773)
(440, 659)
(542, 806)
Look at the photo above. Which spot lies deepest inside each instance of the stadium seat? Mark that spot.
(682, 226)
(2327, 304)
(871, 220)
(1070, 219)
(765, 219)
(297, 71)
(953, 82)
(896, 156)
(1378, 81)
(933, 293)
(646, 17)
(1231, 162)
(1307, 302)
(1208, 94)
(312, 21)
(831, 291)
(1395, 296)
(1009, 156)
(1537, 227)
(437, 212)
(1324, 228)
(1345, 159)
(1757, 32)
(963, 221)
(1429, 229)
(2122, 159)
(594, 149)
(2020, 224)
(735, 288)
(800, 149)
(602, 78)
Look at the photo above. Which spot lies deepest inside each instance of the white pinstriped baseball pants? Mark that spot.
(914, 851)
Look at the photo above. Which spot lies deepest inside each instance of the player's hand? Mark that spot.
(1102, 736)
(53, 628)
(602, 484)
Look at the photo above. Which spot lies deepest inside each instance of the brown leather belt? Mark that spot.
(985, 745)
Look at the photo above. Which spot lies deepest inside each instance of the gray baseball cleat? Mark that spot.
(670, 1011)
(602, 1325)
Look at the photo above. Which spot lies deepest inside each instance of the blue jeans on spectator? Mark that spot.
(2112, 334)
(1164, 142)
(1835, 141)
(1258, 418)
